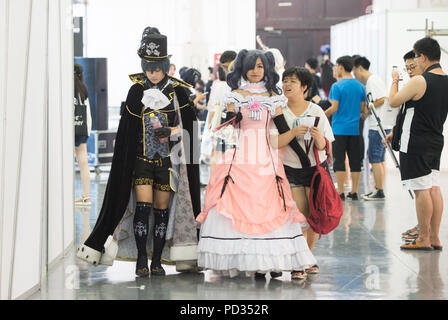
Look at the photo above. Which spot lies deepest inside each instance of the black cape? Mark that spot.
(119, 185)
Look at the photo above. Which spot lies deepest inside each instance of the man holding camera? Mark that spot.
(421, 140)
(376, 91)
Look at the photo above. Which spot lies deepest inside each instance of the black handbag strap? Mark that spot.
(309, 142)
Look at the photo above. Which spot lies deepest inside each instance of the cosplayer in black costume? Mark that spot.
(150, 161)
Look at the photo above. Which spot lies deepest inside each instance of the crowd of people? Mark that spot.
(260, 122)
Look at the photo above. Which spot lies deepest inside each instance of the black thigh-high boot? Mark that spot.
(159, 234)
(141, 218)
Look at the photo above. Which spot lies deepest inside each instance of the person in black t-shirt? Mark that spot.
(312, 64)
(422, 139)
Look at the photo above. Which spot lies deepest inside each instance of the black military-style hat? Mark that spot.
(153, 47)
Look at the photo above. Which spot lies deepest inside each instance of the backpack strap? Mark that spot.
(327, 152)
(283, 127)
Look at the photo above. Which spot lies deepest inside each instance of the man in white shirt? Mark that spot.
(376, 88)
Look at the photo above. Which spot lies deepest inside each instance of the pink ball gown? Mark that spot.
(252, 224)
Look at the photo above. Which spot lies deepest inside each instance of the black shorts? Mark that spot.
(418, 165)
(301, 177)
(350, 145)
(155, 173)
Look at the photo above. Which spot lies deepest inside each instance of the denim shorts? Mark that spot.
(80, 139)
(376, 150)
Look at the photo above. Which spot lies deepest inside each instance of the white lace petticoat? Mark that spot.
(224, 250)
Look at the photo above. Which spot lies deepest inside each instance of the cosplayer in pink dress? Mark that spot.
(250, 221)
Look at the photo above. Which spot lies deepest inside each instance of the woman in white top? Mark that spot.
(209, 147)
(297, 134)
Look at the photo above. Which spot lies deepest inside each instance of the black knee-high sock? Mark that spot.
(141, 217)
(159, 234)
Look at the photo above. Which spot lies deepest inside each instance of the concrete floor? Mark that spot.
(361, 259)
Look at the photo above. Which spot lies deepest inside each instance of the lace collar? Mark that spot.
(258, 87)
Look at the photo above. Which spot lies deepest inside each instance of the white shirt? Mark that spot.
(215, 104)
(375, 85)
(287, 155)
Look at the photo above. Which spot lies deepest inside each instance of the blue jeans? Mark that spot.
(376, 150)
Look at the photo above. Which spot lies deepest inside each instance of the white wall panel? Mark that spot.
(4, 24)
(67, 129)
(36, 110)
(17, 52)
(55, 187)
(27, 250)
(364, 36)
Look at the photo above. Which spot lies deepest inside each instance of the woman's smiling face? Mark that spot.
(257, 73)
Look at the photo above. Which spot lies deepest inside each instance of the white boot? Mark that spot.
(89, 255)
(111, 250)
(186, 266)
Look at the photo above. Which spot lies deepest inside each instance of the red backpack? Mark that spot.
(324, 202)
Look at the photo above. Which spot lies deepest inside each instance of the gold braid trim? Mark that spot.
(150, 182)
(143, 182)
(178, 82)
(135, 115)
(138, 78)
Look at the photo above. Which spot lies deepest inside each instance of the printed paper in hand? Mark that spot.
(307, 121)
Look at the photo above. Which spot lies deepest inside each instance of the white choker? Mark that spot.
(258, 87)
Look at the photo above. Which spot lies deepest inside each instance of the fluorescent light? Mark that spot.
(284, 4)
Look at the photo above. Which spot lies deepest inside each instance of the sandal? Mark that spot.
(411, 233)
(410, 236)
(298, 275)
(83, 201)
(438, 248)
(415, 246)
(313, 270)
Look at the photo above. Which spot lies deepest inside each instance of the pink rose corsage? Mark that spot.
(255, 110)
(255, 106)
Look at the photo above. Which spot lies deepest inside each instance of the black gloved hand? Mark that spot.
(162, 132)
(239, 117)
(231, 114)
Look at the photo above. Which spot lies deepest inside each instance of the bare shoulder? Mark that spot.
(416, 83)
(417, 79)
